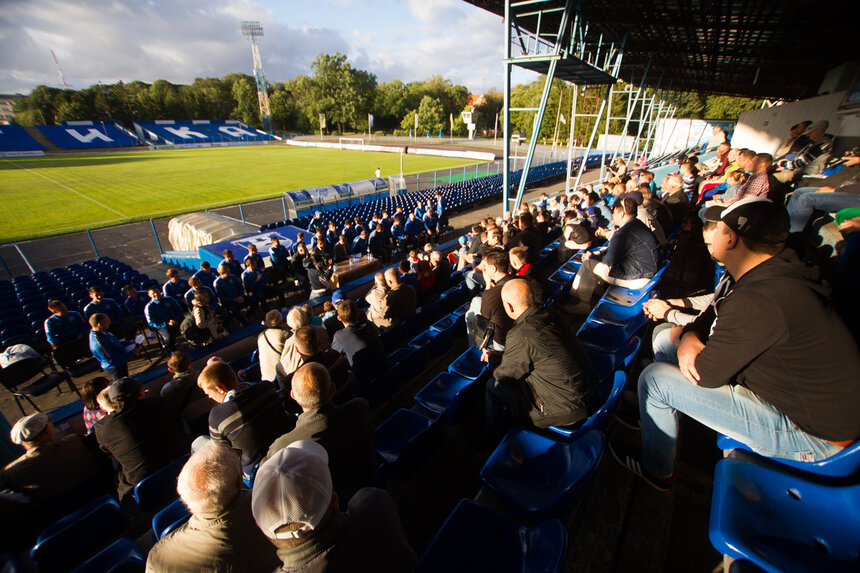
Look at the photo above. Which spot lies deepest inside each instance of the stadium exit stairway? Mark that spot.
(49, 145)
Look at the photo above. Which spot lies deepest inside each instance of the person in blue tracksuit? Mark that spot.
(197, 286)
(254, 281)
(164, 315)
(235, 266)
(206, 275)
(63, 326)
(107, 348)
(135, 302)
(230, 292)
(359, 245)
(175, 287)
(253, 254)
(110, 308)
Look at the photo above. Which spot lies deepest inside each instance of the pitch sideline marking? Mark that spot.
(67, 187)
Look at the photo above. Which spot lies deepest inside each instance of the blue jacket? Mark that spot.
(234, 266)
(414, 228)
(136, 306)
(228, 289)
(359, 246)
(632, 252)
(349, 233)
(431, 223)
(279, 255)
(250, 282)
(257, 257)
(397, 231)
(175, 290)
(207, 278)
(62, 329)
(108, 350)
(331, 238)
(108, 307)
(315, 222)
(419, 213)
(189, 296)
(440, 207)
(159, 313)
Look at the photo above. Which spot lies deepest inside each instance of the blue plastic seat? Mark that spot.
(390, 338)
(383, 386)
(781, 522)
(412, 361)
(469, 365)
(407, 439)
(120, 556)
(476, 538)
(169, 518)
(841, 465)
(75, 537)
(599, 420)
(451, 393)
(158, 489)
(461, 310)
(539, 476)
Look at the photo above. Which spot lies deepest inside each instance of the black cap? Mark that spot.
(758, 220)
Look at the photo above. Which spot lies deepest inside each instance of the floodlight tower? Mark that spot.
(252, 30)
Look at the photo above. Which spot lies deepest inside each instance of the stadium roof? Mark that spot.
(778, 49)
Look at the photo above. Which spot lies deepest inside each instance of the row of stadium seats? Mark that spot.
(178, 132)
(16, 138)
(90, 136)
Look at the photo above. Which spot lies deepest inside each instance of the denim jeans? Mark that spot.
(804, 200)
(474, 280)
(732, 410)
(662, 345)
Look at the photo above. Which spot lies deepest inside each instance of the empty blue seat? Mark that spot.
(781, 522)
(78, 535)
(412, 361)
(169, 518)
(469, 365)
(461, 310)
(476, 538)
(449, 392)
(540, 476)
(383, 386)
(158, 489)
(120, 556)
(407, 439)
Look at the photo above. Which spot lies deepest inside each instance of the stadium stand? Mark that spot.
(16, 138)
(195, 132)
(88, 136)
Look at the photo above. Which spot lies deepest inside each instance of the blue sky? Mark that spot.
(179, 40)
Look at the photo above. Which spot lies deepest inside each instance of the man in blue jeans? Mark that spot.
(770, 365)
(839, 191)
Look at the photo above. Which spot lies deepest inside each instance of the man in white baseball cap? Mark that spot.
(296, 508)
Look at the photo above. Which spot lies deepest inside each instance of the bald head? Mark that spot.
(312, 386)
(517, 297)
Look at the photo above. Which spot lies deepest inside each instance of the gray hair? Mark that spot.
(296, 318)
(209, 481)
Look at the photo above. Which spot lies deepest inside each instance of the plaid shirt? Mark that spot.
(756, 186)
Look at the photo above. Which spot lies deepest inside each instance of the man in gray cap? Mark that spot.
(296, 508)
(50, 466)
(811, 159)
(770, 364)
(142, 434)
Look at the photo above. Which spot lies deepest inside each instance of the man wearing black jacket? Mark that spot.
(770, 365)
(544, 378)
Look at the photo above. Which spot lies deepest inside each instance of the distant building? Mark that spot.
(7, 102)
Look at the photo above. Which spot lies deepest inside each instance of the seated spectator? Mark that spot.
(318, 266)
(110, 308)
(719, 137)
(141, 434)
(441, 270)
(758, 185)
(486, 312)
(64, 326)
(295, 506)
(359, 341)
(796, 141)
(175, 287)
(426, 280)
(375, 299)
(400, 300)
(316, 222)
(657, 210)
(734, 180)
(135, 302)
(196, 285)
(249, 417)
(92, 411)
(221, 534)
(331, 323)
(231, 263)
(270, 344)
(378, 242)
(398, 231)
(205, 326)
(359, 244)
(777, 358)
(253, 255)
(107, 349)
(576, 238)
(811, 159)
(206, 275)
(834, 193)
(718, 163)
(675, 199)
(306, 348)
(431, 225)
(331, 235)
(341, 249)
(181, 393)
(474, 278)
(344, 430)
(298, 317)
(544, 377)
(298, 263)
(280, 258)
(629, 261)
(53, 467)
(414, 228)
(254, 282)
(163, 315)
(538, 283)
(230, 292)
(529, 237)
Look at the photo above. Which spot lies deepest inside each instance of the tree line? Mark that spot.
(347, 97)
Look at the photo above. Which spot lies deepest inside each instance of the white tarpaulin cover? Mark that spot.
(193, 230)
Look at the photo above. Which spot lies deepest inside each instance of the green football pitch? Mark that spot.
(51, 195)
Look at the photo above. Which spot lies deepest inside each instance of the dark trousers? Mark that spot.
(497, 415)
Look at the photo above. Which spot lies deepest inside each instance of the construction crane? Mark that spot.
(60, 71)
(252, 30)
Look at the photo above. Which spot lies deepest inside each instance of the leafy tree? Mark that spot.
(431, 115)
(343, 94)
